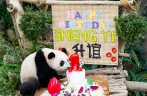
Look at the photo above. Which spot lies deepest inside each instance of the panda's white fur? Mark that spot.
(28, 68)
(39, 68)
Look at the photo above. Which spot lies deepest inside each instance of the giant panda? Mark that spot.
(38, 68)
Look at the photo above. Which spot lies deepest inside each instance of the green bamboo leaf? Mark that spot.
(135, 58)
(131, 62)
(139, 48)
(140, 77)
(133, 75)
(137, 93)
(143, 93)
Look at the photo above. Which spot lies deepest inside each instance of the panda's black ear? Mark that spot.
(51, 55)
(64, 50)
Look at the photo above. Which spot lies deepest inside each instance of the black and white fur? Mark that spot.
(38, 68)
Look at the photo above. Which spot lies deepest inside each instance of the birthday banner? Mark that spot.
(88, 30)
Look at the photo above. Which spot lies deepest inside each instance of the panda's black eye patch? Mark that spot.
(51, 55)
(61, 63)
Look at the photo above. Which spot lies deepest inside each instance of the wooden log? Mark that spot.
(44, 42)
(124, 54)
(139, 86)
(52, 2)
(118, 94)
(125, 73)
(92, 72)
(100, 71)
(117, 91)
(103, 71)
(85, 2)
(116, 76)
(116, 82)
(117, 87)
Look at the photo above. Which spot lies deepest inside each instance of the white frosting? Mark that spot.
(76, 78)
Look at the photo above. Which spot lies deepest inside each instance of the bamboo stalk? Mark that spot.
(52, 2)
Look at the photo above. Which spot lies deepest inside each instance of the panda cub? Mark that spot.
(38, 68)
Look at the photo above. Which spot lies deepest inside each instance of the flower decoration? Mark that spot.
(109, 54)
(113, 59)
(114, 50)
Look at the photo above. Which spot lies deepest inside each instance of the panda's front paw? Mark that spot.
(81, 64)
(61, 76)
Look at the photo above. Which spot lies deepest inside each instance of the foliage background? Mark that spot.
(35, 24)
(9, 71)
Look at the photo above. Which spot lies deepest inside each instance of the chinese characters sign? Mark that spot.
(88, 30)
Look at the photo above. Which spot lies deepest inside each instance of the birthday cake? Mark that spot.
(76, 84)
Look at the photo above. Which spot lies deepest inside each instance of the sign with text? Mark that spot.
(88, 30)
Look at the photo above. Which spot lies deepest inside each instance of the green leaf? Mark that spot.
(143, 94)
(139, 48)
(35, 24)
(131, 62)
(131, 27)
(135, 58)
(133, 75)
(140, 77)
(137, 93)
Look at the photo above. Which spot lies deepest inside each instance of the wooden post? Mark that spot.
(52, 2)
(121, 47)
(41, 5)
(16, 11)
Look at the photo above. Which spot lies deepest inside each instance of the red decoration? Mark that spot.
(108, 54)
(74, 59)
(114, 50)
(113, 59)
(54, 87)
(60, 48)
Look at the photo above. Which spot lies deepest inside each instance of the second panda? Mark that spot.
(39, 67)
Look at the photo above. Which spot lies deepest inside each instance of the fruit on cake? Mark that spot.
(76, 84)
